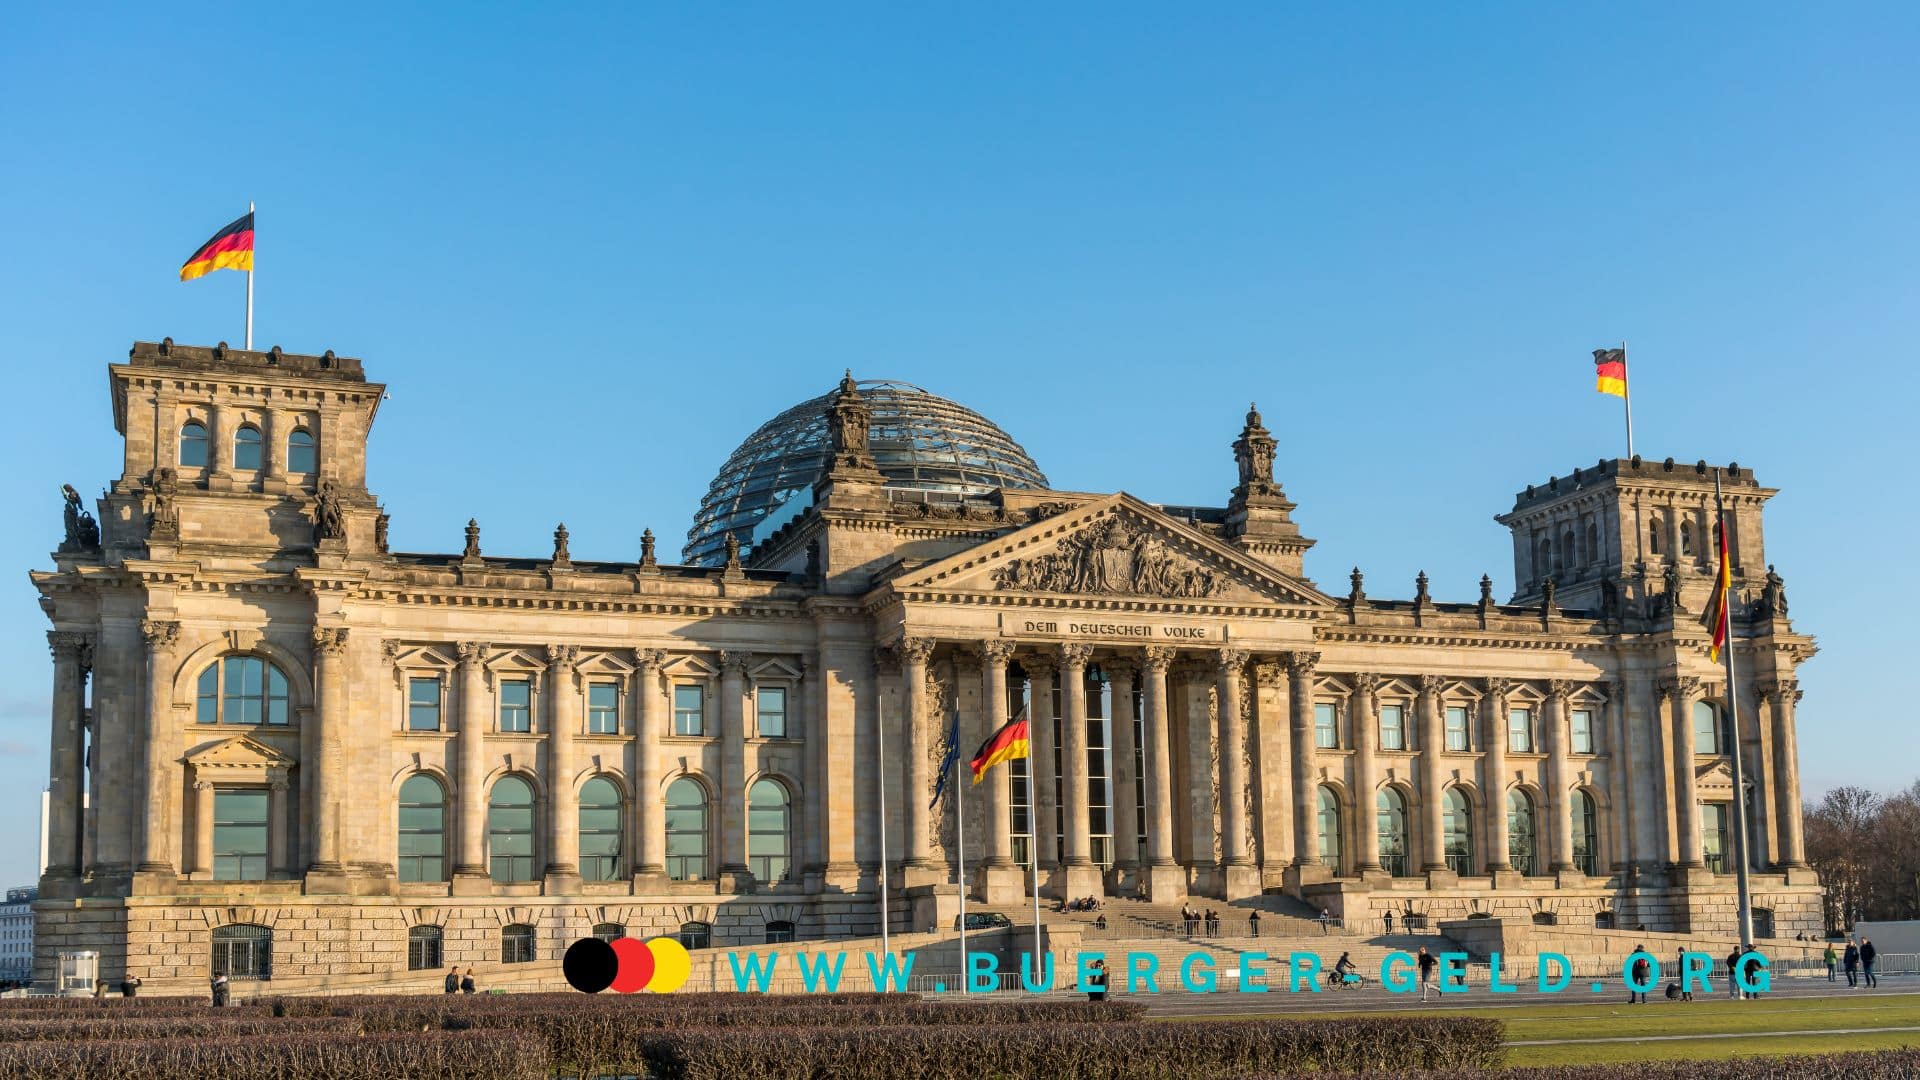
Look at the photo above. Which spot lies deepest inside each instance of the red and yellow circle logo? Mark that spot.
(627, 965)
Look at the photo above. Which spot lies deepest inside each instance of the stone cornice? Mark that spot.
(1068, 602)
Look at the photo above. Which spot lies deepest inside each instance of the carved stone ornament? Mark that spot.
(646, 549)
(163, 512)
(1431, 685)
(1112, 557)
(562, 658)
(997, 651)
(160, 636)
(562, 554)
(848, 418)
(1232, 661)
(82, 532)
(472, 653)
(329, 517)
(472, 550)
(380, 526)
(650, 658)
(1157, 657)
(1498, 688)
(1301, 662)
(1075, 654)
(915, 650)
(1253, 453)
(329, 640)
(734, 662)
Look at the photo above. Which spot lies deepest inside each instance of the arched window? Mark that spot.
(1706, 728)
(1545, 918)
(686, 830)
(241, 690)
(246, 448)
(1603, 920)
(516, 944)
(1586, 834)
(1686, 538)
(1568, 557)
(193, 445)
(1390, 813)
(609, 931)
(1329, 826)
(301, 457)
(599, 830)
(1654, 528)
(696, 935)
(768, 831)
(779, 932)
(424, 947)
(510, 830)
(423, 830)
(1593, 543)
(1458, 830)
(242, 951)
(1520, 832)
(1546, 557)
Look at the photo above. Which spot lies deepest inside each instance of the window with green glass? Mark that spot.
(1393, 727)
(240, 834)
(242, 690)
(1520, 730)
(423, 704)
(516, 705)
(686, 822)
(423, 830)
(689, 709)
(510, 830)
(1581, 721)
(1457, 729)
(1706, 728)
(1326, 726)
(599, 830)
(769, 831)
(603, 708)
(770, 712)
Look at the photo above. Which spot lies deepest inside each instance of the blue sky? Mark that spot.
(589, 253)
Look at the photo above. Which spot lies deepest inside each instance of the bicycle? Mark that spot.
(1353, 981)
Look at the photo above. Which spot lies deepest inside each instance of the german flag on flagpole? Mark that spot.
(1715, 620)
(1004, 745)
(1610, 369)
(230, 249)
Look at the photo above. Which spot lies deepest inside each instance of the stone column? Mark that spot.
(1781, 698)
(1083, 877)
(1239, 877)
(470, 764)
(733, 767)
(66, 770)
(649, 814)
(1366, 731)
(1680, 694)
(1043, 729)
(563, 719)
(1553, 718)
(203, 828)
(1164, 880)
(1493, 776)
(999, 789)
(279, 842)
(1306, 835)
(913, 689)
(1126, 812)
(219, 441)
(160, 741)
(1433, 743)
(331, 719)
(1273, 775)
(1620, 801)
(274, 429)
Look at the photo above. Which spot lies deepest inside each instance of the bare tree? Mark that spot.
(1866, 850)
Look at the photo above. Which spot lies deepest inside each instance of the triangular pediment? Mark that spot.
(1117, 547)
(237, 754)
(1713, 778)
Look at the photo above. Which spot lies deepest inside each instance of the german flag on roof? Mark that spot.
(230, 249)
(1610, 371)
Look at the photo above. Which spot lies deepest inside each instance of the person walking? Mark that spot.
(1253, 924)
(129, 985)
(1832, 959)
(1427, 964)
(466, 982)
(1642, 977)
(453, 980)
(1326, 920)
(1867, 956)
(1097, 981)
(1850, 960)
(1389, 918)
(1213, 923)
(1733, 979)
(1680, 970)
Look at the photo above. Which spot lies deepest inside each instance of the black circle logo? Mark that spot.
(590, 965)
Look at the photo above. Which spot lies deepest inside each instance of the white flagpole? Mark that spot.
(1626, 394)
(880, 775)
(256, 257)
(960, 828)
(1744, 896)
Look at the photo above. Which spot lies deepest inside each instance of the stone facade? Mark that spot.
(246, 679)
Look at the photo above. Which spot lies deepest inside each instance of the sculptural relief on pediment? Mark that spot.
(1114, 556)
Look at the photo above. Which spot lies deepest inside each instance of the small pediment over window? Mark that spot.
(239, 760)
(1713, 779)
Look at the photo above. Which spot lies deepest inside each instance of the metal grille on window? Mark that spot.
(423, 948)
(242, 951)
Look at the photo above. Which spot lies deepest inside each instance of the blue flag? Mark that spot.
(947, 761)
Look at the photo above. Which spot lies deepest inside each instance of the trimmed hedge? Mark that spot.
(329, 1006)
(1078, 1051)
(68, 1029)
(441, 1055)
(1902, 1064)
(50, 1003)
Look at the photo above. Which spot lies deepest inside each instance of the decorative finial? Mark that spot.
(1486, 591)
(1357, 579)
(473, 539)
(646, 549)
(561, 556)
(1420, 588)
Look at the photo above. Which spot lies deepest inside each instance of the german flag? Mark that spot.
(1004, 745)
(1610, 367)
(1715, 620)
(230, 249)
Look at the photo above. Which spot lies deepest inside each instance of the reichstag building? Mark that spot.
(281, 749)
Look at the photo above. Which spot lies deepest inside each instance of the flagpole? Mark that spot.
(1745, 909)
(256, 255)
(886, 912)
(1626, 393)
(960, 829)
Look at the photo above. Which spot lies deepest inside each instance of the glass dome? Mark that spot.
(920, 441)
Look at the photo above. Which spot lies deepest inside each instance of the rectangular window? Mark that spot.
(1326, 727)
(1715, 838)
(423, 704)
(603, 709)
(770, 711)
(1582, 720)
(240, 835)
(1393, 727)
(1457, 728)
(689, 709)
(516, 705)
(1520, 731)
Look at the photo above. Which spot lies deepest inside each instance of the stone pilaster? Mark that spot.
(1680, 694)
(649, 721)
(331, 718)
(1433, 743)
(913, 665)
(1781, 697)
(279, 835)
(1000, 877)
(563, 721)
(1126, 835)
(1559, 797)
(1366, 731)
(160, 741)
(66, 780)
(1164, 881)
(1620, 801)
(734, 874)
(202, 865)
(470, 771)
(1043, 727)
(1082, 876)
(1273, 776)
(1306, 836)
(1239, 877)
(1493, 776)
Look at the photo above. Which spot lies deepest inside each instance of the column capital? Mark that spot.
(161, 635)
(1498, 688)
(472, 654)
(915, 650)
(1365, 681)
(1301, 662)
(1432, 685)
(389, 650)
(70, 645)
(997, 651)
(886, 659)
(1037, 664)
(1075, 654)
(653, 659)
(1232, 661)
(329, 640)
(1558, 690)
(734, 662)
(203, 785)
(562, 658)
(1121, 667)
(1685, 686)
(277, 780)
(1774, 690)
(1157, 658)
